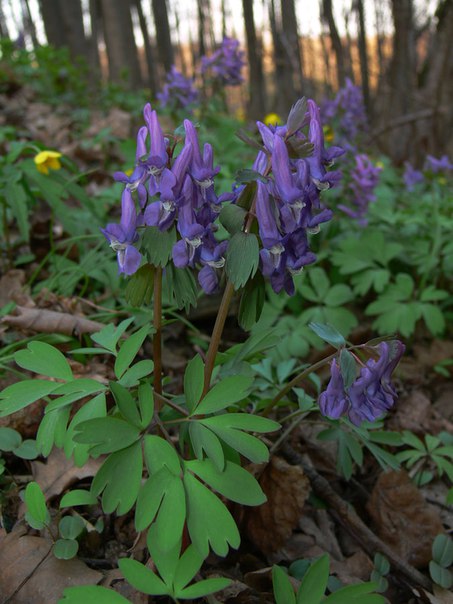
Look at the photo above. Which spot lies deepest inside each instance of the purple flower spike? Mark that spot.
(226, 63)
(122, 236)
(179, 92)
(365, 178)
(438, 165)
(371, 394)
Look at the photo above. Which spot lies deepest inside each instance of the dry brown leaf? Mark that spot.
(49, 321)
(32, 575)
(351, 570)
(286, 488)
(59, 472)
(403, 518)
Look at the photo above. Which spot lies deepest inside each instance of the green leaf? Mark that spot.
(283, 589)
(129, 350)
(386, 437)
(443, 550)
(96, 407)
(146, 403)
(203, 439)
(356, 594)
(203, 588)
(348, 368)
(440, 575)
(329, 334)
(106, 434)
(77, 497)
(135, 373)
(232, 217)
(381, 564)
(119, 479)
(92, 594)
(242, 258)
(208, 520)
(223, 394)
(159, 453)
(166, 560)
(158, 245)
(37, 514)
(233, 482)
(181, 287)
(27, 449)
(142, 578)
(246, 175)
(252, 302)
(139, 288)
(338, 294)
(110, 335)
(16, 198)
(20, 395)
(126, 404)
(319, 281)
(73, 391)
(9, 439)
(314, 583)
(70, 527)
(433, 318)
(163, 496)
(193, 381)
(65, 549)
(243, 421)
(44, 359)
(188, 566)
(52, 429)
(431, 294)
(410, 439)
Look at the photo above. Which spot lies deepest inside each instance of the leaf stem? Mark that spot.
(295, 381)
(157, 338)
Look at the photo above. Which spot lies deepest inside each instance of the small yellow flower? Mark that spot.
(380, 164)
(328, 134)
(273, 119)
(442, 180)
(239, 114)
(46, 160)
(128, 172)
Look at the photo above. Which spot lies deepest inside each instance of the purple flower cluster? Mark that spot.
(438, 165)
(288, 205)
(169, 191)
(365, 178)
(348, 110)
(412, 177)
(370, 395)
(179, 92)
(226, 63)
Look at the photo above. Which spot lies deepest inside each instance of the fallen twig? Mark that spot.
(351, 521)
(50, 321)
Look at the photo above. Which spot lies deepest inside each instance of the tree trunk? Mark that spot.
(164, 45)
(256, 104)
(327, 16)
(149, 53)
(29, 25)
(285, 94)
(364, 73)
(52, 17)
(292, 45)
(120, 42)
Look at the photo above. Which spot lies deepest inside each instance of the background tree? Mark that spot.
(164, 43)
(256, 106)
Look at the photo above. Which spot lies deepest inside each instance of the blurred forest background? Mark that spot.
(398, 51)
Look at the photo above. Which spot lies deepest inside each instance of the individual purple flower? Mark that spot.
(333, 401)
(226, 63)
(412, 177)
(438, 165)
(136, 181)
(179, 92)
(371, 394)
(212, 258)
(122, 236)
(365, 178)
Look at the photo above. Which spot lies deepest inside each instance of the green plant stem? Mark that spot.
(299, 377)
(171, 404)
(157, 338)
